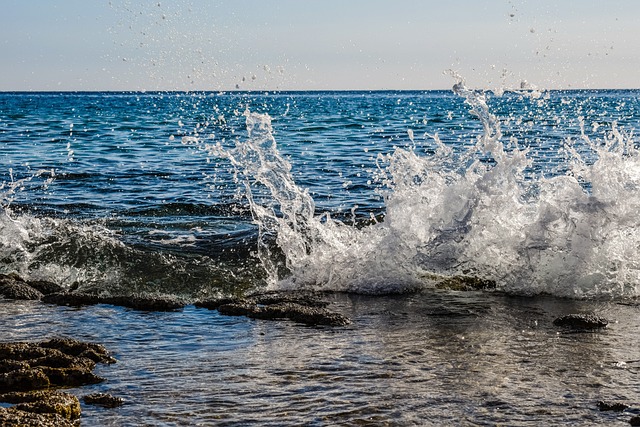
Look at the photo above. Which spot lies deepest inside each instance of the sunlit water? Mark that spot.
(374, 194)
(438, 358)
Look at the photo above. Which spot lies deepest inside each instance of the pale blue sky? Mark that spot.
(310, 44)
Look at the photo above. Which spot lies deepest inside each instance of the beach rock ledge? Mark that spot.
(31, 372)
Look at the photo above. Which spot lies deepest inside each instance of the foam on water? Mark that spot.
(90, 257)
(477, 212)
(473, 213)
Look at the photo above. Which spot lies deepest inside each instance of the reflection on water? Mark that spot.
(436, 358)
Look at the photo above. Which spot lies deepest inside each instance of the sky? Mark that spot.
(317, 45)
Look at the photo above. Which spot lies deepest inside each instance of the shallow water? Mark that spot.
(435, 358)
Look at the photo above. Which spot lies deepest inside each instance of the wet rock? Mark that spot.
(238, 309)
(103, 399)
(96, 352)
(465, 283)
(134, 302)
(45, 287)
(32, 366)
(28, 368)
(306, 298)
(71, 377)
(145, 303)
(635, 421)
(21, 351)
(23, 380)
(57, 359)
(312, 316)
(581, 321)
(19, 291)
(13, 286)
(612, 406)
(302, 307)
(71, 299)
(12, 365)
(45, 402)
(14, 417)
(213, 304)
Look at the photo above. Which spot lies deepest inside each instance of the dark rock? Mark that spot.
(93, 351)
(71, 377)
(71, 299)
(466, 283)
(103, 399)
(45, 402)
(306, 298)
(14, 284)
(213, 304)
(19, 291)
(28, 368)
(635, 421)
(12, 365)
(312, 316)
(45, 287)
(581, 321)
(21, 351)
(10, 278)
(23, 380)
(145, 303)
(302, 307)
(134, 302)
(238, 309)
(11, 417)
(57, 359)
(612, 406)
(97, 356)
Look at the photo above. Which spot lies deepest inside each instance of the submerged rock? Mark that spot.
(312, 316)
(612, 406)
(581, 321)
(635, 421)
(103, 399)
(302, 307)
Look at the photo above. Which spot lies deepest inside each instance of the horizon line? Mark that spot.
(284, 91)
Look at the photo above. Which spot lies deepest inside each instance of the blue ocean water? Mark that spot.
(386, 194)
(151, 192)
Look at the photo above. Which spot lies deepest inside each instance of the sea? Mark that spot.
(378, 198)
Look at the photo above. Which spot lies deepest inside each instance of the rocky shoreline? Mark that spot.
(33, 374)
(308, 308)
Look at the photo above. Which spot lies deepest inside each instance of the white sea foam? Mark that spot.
(452, 214)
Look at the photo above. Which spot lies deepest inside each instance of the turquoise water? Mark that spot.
(379, 196)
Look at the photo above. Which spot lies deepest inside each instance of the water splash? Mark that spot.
(473, 213)
(90, 257)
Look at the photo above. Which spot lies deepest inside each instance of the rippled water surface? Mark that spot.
(438, 358)
(378, 197)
